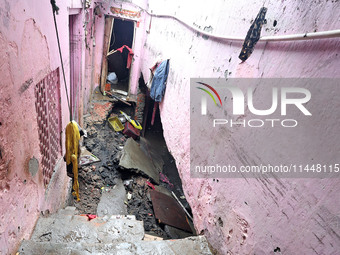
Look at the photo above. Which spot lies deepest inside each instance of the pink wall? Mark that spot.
(289, 213)
(29, 50)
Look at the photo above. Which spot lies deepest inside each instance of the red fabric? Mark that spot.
(150, 185)
(165, 180)
(129, 60)
(152, 69)
(89, 216)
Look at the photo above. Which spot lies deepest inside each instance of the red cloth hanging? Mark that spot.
(129, 59)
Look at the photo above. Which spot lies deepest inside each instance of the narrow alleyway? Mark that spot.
(101, 182)
(204, 127)
(116, 212)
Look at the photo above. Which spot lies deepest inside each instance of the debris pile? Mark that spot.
(92, 178)
(140, 205)
(116, 163)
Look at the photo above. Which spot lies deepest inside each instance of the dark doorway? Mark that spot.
(122, 34)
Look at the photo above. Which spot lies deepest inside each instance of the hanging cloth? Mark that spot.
(72, 152)
(159, 81)
(129, 59)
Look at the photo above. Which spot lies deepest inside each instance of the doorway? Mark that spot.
(119, 61)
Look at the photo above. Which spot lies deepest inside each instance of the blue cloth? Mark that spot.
(159, 81)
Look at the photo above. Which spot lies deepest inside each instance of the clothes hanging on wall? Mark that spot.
(72, 153)
(159, 81)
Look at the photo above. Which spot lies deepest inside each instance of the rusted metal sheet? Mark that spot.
(168, 211)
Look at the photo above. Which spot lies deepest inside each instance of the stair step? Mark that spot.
(67, 228)
(191, 245)
(112, 217)
(69, 210)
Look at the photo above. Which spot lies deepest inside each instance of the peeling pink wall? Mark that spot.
(292, 219)
(247, 216)
(29, 50)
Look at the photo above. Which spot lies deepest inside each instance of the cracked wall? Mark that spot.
(29, 52)
(253, 216)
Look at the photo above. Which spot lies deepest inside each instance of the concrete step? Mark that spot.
(72, 211)
(191, 245)
(69, 210)
(112, 217)
(59, 228)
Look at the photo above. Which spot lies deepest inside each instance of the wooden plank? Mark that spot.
(152, 238)
(106, 45)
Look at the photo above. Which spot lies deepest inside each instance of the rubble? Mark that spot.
(120, 183)
(112, 200)
(140, 205)
(103, 173)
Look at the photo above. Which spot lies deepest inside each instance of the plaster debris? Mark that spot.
(135, 159)
(112, 200)
(121, 181)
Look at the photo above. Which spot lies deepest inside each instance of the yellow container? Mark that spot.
(116, 124)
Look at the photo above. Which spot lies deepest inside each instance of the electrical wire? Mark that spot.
(55, 10)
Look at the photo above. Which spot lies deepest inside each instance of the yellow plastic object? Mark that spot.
(116, 124)
(134, 123)
(72, 151)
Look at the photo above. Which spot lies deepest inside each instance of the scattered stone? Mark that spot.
(96, 178)
(102, 191)
(141, 206)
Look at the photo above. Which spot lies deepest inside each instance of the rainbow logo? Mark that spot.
(209, 93)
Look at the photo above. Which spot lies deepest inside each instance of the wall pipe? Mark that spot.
(293, 37)
(301, 37)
